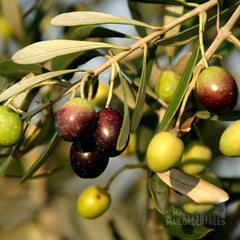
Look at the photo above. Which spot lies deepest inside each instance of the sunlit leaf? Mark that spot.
(181, 89)
(45, 50)
(42, 158)
(197, 189)
(91, 18)
(27, 83)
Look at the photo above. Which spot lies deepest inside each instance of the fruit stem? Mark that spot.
(234, 40)
(184, 102)
(110, 92)
(202, 22)
(125, 167)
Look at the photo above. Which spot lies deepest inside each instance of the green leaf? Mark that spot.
(125, 130)
(181, 89)
(91, 18)
(174, 2)
(13, 70)
(137, 112)
(159, 192)
(73, 60)
(192, 32)
(30, 82)
(45, 50)
(84, 32)
(184, 225)
(42, 158)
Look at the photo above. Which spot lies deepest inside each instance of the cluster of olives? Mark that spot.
(94, 135)
(165, 151)
(217, 91)
(94, 138)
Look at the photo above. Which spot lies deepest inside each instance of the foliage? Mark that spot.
(38, 76)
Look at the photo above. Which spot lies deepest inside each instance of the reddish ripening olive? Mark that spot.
(108, 126)
(86, 161)
(217, 90)
(75, 118)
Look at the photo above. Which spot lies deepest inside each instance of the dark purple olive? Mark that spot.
(86, 161)
(107, 129)
(74, 119)
(217, 90)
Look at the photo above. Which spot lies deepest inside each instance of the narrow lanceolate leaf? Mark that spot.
(27, 83)
(175, 2)
(45, 50)
(137, 112)
(92, 18)
(181, 89)
(42, 158)
(125, 130)
(197, 189)
(192, 32)
(159, 192)
(172, 13)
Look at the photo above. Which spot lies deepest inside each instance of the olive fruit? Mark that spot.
(86, 161)
(196, 157)
(74, 118)
(164, 151)
(195, 208)
(100, 98)
(107, 129)
(166, 85)
(132, 145)
(229, 143)
(217, 90)
(93, 202)
(11, 127)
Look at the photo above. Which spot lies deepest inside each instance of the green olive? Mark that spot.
(131, 148)
(101, 96)
(229, 143)
(194, 208)
(164, 151)
(11, 127)
(196, 157)
(166, 85)
(93, 202)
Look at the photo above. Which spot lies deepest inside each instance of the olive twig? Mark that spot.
(202, 23)
(234, 40)
(111, 80)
